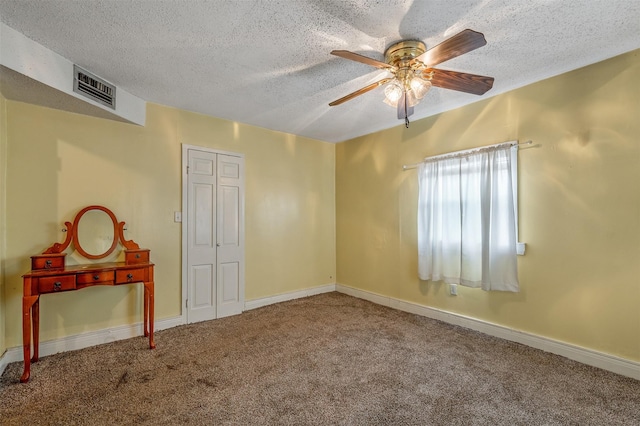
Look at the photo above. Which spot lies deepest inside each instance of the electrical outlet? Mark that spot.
(453, 289)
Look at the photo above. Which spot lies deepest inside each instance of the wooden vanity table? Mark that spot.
(50, 274)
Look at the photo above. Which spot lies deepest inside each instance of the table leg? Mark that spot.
(35, 319)
(146, 311)
(27, 304)
(149, 290)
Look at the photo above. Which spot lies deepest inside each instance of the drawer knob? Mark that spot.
(96, 277)
(129, 277)
(138, 256)
(57, 286)
(47, 264)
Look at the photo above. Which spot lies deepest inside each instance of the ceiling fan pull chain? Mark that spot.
(406, 115)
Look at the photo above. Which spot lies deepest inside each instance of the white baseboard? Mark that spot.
(577, 353)
(85, 340)
(265, 301)
(3, 362)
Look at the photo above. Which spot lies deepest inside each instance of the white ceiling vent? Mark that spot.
(93, 87)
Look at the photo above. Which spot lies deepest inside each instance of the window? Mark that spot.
(467, 218)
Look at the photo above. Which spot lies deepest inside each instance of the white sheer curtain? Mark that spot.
(466, 220)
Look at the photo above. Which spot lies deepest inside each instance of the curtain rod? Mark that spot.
(465, 151)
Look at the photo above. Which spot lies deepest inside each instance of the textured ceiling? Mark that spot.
(267, 63)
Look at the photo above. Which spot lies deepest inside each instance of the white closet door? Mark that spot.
(230, 235)
(213, 250)
(201, 228)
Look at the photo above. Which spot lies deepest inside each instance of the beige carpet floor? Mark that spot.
(324, 360)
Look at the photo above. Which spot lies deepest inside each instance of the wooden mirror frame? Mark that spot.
(76, 237)
(72, 236)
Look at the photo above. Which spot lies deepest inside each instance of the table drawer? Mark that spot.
(131, 276)
(95, 277)
(55, 284)
(51, 261)
(133, 257)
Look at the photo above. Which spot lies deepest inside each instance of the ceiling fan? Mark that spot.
(412, 73)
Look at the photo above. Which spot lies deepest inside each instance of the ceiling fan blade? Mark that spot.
(460, 81)
(463, 42)
(360, 92)
(359, 58)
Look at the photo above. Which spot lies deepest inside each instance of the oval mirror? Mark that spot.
(94, 230)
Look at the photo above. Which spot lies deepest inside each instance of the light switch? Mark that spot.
(177, 216)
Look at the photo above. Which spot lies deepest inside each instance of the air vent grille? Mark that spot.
(92, 87)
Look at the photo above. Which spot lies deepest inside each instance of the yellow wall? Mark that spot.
(579, 207)
(60, 162)
(3, 169)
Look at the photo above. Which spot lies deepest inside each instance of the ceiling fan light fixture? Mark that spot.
(420, 87)
(393, 93)
(411, 99)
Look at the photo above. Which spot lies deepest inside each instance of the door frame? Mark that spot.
(185, 216)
